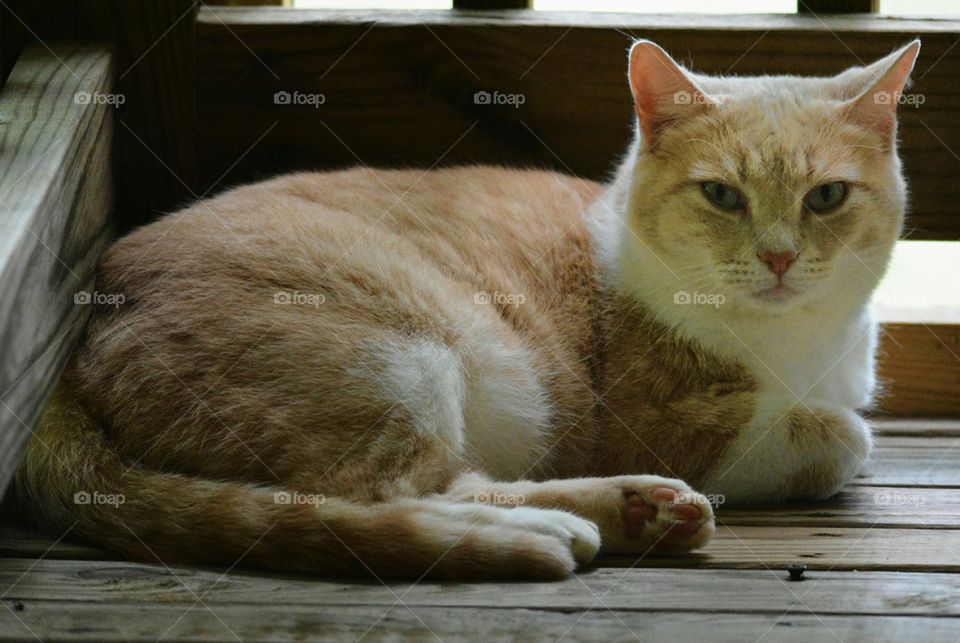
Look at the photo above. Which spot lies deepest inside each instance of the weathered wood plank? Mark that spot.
(906, 427)
(390, 109)
(64, 621)
(822, 548)
(767, 591)
(920, 367)
(153, 42)
(913, 462)
(17, 541)
(56, 195)
(919, 305)
(917, 507)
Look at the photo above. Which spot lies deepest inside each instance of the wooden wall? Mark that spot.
(153, 43)
(399, 88)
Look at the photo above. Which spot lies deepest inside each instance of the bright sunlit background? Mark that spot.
(894, 7)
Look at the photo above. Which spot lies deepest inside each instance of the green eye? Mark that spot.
(723, 196)
(826, 197)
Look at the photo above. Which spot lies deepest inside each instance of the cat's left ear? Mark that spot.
(663, 91)
(876, 108)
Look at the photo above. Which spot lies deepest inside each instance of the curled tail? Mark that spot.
(72, 479)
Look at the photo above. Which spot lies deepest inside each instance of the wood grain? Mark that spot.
(858, 506)
(622, 589)
(931, 427)
(153, 42)
(906, 461)
(920, 369)
(55, 620)
(821, 548)
(385, 109)
(156, 133)
(56, 189)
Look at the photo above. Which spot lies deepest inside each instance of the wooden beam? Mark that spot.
(154, 55)
(837, 6)
(57, 195)
(492, 4)
(918, 302)
(156, 131)
(119, 621)
(20, 20)
(644, 590)
(399, 88)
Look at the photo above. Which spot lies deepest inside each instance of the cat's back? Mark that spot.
(452, 213)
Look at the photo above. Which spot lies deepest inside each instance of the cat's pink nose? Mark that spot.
(778, 262)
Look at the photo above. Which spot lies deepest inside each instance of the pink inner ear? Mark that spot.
(877, 107)
(662, 90)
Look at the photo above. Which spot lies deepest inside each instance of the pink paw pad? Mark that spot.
(639, 513)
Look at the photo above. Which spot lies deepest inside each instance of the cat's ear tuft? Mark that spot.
(876, 108)
(663, 92)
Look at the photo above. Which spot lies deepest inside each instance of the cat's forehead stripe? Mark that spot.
(725, 168)
(818, 168)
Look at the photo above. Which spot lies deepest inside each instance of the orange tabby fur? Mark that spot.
(459, 357)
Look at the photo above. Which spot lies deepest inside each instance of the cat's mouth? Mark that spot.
(779, 292)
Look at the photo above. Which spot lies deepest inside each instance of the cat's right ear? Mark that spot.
(663, 92)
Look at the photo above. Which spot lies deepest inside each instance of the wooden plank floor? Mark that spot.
(883, 564)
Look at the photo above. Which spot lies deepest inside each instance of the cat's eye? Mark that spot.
(723, 196)
(826, 197)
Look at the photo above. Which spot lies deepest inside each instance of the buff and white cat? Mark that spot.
(488, 373)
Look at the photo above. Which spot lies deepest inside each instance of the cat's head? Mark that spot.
(775, 192)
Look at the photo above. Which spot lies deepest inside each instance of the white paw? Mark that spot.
(579, 535)
(582, 535)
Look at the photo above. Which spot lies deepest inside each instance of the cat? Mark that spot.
(488, 373)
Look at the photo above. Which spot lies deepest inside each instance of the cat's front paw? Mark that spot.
(657, 514)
